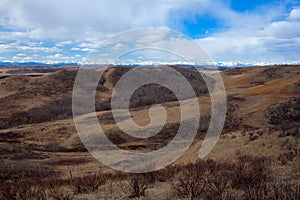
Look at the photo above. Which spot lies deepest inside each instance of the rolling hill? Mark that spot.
(263, 117)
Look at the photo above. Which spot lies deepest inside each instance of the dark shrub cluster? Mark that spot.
(247, 178)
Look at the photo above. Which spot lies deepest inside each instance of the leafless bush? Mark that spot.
(218, 184)
(22, 189)
(204, 180)
(164, 175)
(274, 190)
(250, 171)
(23, 169)
(286, 157)
(59, 193)
(138, 184)
(191, 182)
(89, 183)
(247, 178)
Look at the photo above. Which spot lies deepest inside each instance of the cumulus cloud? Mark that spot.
(57, 56)
(22, 59)
(80, 26)
(32, 49)
(277, 41)
(64, 43)
(295, 14)
(82, 49)
(283, 29)
(75, 19)
(153, 44)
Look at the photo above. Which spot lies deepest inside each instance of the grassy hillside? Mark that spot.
(259, 146)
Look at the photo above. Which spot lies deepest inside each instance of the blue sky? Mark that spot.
(231, 31)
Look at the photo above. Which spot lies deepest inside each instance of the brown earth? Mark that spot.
(36, 124)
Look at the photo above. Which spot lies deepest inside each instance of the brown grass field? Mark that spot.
(256, 157)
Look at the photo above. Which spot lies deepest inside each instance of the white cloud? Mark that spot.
(82, 49)
(77, 19)
(38, 49)
(14, 46)
(21, 54)
(64, 43)
(277, 41)
(295, 14)
(87, 49)
(22, 58)
(283, 29)
(89, 45)
(82, 25)
(156, 44)
(86, 46)
(34, 44)
(97, 19)
(57, 57)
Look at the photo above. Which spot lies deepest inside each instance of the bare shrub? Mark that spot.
(250, 171)
(138, 184)
(23, 169)
(286, 157)
(218, 184)
(22, 190)
(191, 182)
(247, 178)
(274, 190)
(89, 183)
(165, 174)
(59, 193)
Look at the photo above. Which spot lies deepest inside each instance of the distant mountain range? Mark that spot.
(220, 65)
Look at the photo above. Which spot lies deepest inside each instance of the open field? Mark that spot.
(256, 157)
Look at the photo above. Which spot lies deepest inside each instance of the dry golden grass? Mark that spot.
(54, 142)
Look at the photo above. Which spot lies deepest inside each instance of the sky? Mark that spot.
(230, 31)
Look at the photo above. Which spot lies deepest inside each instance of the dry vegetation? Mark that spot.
(246, 178)
(257, 157)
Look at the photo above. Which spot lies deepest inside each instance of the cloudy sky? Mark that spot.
(247, 31)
